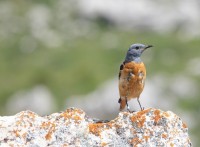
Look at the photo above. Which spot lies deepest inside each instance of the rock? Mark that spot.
(150, 127)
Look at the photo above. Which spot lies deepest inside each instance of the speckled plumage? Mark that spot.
(132, 75)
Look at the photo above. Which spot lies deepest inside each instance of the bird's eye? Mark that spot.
(137, 47)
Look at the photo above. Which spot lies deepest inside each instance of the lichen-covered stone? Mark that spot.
(150, 127)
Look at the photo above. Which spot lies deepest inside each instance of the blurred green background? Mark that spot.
(68, 48)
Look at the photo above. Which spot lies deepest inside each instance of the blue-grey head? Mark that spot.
(135, 51)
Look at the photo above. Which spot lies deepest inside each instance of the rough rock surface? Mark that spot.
(150, 127)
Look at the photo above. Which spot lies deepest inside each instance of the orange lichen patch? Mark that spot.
(77, 118)
(139, 118)
(27, 116)
(157, 116)
(18, 123)
(46, 125)
(134, 118)
(16, 133)
(171, 144)
(51, 127)
(96, 128)
(72, 115)
(31, 114)
(103, 144)
(184, 125)
(65, 115)
(135, 141)
(146, 138)
(166, 114)
(143, 112)
(141, 121)
(164, 135)
(48, 136)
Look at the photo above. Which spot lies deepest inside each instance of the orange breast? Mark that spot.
(132, 79)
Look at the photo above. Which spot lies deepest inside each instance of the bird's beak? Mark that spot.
(148, 46)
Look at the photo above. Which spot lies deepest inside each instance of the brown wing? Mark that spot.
(120, 69)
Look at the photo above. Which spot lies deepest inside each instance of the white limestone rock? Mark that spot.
(150, 127)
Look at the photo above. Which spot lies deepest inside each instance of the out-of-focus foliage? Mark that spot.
(51, 43)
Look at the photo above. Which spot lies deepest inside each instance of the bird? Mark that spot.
(132, 75)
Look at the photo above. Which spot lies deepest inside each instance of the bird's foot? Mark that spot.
(128, 108)
(142, 108)
(131, 111)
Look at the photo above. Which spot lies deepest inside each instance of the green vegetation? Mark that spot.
(80, 68)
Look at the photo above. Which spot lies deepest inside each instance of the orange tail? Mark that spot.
(122, 104)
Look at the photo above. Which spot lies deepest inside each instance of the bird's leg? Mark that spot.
(128, 108)
(142, 108)
(127, 105)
